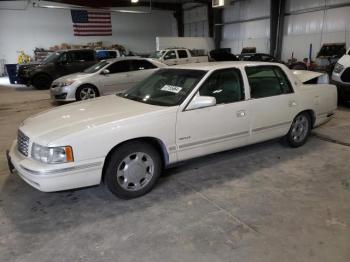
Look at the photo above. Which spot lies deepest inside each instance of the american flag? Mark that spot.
(90, 23)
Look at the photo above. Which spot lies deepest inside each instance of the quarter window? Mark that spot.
(225, 85)
(267, 81)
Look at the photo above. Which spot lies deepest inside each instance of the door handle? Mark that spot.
(241, 113)
(292, 103)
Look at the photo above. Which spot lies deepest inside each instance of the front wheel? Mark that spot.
(86, 92)
(299, 130)
(133, 170)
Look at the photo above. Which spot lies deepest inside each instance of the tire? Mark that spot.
(299, 130)
(86, 92)
(132, 170)
(42, 81)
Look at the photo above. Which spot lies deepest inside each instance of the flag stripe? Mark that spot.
(87, 23)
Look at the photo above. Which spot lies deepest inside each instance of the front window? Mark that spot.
(96, 67)
(225, 85)
(166, 87)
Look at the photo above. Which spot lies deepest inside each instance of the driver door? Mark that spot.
(118, 79)
(221, 127)
(170, 58)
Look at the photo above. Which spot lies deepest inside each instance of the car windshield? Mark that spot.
(166, 87)
(94, 68)
(51, 58)
(157, 54)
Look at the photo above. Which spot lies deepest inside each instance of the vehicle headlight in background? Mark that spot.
(52, 155)
(338, 68)
(65, 83)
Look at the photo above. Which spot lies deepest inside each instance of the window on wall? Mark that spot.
(225, 85)
(265, 81)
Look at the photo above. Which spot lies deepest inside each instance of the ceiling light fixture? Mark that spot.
(134, 1)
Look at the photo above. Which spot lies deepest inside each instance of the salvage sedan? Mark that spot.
(178, 113)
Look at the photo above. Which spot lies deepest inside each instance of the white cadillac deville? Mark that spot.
(175, 114)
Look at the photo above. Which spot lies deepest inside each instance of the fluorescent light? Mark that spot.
(134, 1)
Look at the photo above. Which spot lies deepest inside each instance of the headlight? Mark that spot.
(64, 83)
(52, 155)
(338, 68)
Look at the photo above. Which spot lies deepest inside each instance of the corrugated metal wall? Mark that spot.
(195, 21)
(246, 34)
(332, 25)
(316, 28)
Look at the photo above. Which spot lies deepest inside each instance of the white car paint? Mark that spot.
(105, 83)
(172, 56)
(93, 128)
(343, 64)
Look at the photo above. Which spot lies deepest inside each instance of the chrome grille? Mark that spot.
(22, 143)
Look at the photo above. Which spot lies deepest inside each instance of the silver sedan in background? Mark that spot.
(104, 78)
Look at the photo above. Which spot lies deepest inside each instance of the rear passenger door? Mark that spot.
(272, 104)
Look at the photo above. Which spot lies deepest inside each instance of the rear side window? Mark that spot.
(119, 67)
(142, 65)
(182, 53)
(225, 85)
(267, 81)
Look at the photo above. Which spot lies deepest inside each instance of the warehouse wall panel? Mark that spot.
(246, 34)
(36, 27)
(195, 20)
(316, 28)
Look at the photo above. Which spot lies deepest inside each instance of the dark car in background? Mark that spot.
(58, 64)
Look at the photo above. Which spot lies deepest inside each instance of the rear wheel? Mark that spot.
(299, 130)
(86, 92)
(132, 170)
(42, 81)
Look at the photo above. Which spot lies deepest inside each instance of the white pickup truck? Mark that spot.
(177, 56)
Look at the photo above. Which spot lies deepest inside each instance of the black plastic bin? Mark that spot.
(12, 72)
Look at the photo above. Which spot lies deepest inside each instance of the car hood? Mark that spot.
(56, 123)
(73, 77)
(344, 60)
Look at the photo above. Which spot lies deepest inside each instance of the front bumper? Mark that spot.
(65, 94)
(54, 177)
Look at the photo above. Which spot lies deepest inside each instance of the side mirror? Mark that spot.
(201, 101)
(105, 72)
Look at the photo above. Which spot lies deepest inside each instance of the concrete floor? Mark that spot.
(265, 202)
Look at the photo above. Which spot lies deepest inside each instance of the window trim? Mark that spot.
(271, 66)
(244, 98)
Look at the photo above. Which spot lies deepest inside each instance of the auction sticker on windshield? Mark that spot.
(170, 88)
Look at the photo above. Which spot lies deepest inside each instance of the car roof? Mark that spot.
(221, 65)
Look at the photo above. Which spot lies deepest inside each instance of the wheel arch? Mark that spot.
(155, 142)
(88, 84)
(311, 114)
